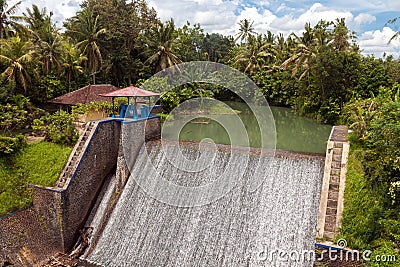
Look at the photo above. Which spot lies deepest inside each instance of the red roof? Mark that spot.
(85, 95)
(130, 91)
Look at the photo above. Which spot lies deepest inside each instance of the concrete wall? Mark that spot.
(99, 160)
(58, 213)
(65, 211)
(133, 136)
(333, 185)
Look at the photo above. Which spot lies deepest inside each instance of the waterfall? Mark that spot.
(241, 228)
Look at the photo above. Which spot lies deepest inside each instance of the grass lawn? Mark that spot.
(38, 163)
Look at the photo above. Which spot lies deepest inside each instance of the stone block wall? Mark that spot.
(58, 213)
(65, 210)
(99, 160)
(333, 185)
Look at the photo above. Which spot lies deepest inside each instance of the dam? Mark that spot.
(236, 230)
(107, 210)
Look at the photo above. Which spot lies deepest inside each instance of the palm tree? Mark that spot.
(302, 53)
(37, 20)
(50, 52)
(45, 37)
(342, 36)
(397, 34)
(71, 62)
(161, 41)
(280, 47)
(86, 30)
(255, 52)
(7, 19)
(17, 57)
(246, 30)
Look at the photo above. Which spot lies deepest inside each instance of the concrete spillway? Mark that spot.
(241, 228)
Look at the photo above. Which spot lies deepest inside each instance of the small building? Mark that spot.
(84, 95)
(140, 109)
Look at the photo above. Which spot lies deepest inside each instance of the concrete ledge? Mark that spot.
(333, 185)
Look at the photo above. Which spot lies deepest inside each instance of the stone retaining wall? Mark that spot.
(53, 223)
(333, 186)
(65, 211)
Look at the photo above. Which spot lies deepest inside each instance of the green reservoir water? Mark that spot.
(293, 133)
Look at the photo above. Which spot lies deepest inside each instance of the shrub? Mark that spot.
(169, 101)
(58, 128)
(11, 145)
(93, 106)
(18, 113)
(382, 159)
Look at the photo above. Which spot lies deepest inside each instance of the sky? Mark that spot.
(367, 18)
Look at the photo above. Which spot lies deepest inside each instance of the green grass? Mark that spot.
(363, 205)
(365, 212)
(38, 163)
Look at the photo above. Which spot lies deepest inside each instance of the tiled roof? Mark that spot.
(86, 95)
(131, 91)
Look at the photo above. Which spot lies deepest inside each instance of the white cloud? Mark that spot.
(61, 9)
(213, 15)
(284, 7)
(288, 23)
(163, 13)
(264, 2)
(364, 18)
(281, 7)
(376, 43)
(319, 12)
(262, 21)
(208, 2)
(209, 18)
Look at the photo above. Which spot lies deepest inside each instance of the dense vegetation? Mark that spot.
(371, 217)
(122, 43)
(320, 73)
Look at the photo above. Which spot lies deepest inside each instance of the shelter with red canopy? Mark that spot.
(135, 93)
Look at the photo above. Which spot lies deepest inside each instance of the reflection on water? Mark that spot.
(294, 133)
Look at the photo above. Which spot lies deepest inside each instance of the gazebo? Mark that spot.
(130, 111)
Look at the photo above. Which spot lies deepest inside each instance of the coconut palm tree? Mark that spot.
(256, 51)
(86, 30)
(342, 36)
(246, 30)
(72, 61)
(280, 47)
(45, 37)
(397, 34)
(37, 20)
(7, 19)
(17, 57)
(160, 42)
(50, 52)
(302, 53)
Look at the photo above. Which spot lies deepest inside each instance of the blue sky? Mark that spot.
(366, 17)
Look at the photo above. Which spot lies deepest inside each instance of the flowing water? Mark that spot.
(241, 228)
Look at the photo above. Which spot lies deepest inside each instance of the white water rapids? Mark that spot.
(269, 227)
